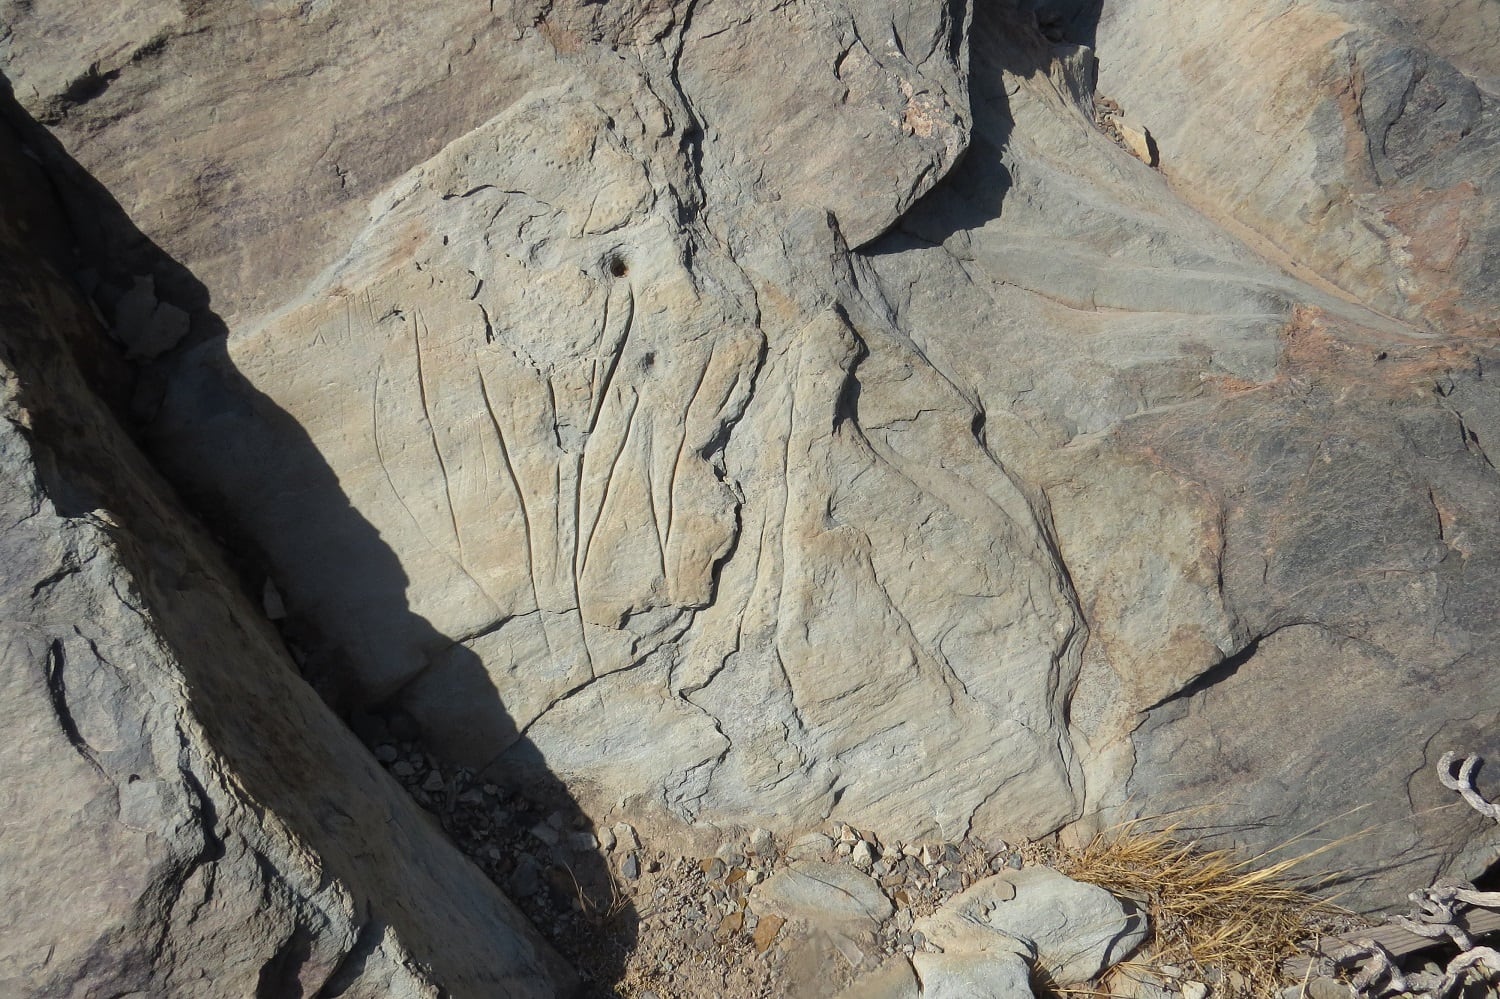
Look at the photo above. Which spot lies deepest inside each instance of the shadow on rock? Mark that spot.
(1028, 38)
(530, 837)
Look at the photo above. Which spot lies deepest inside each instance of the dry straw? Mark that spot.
(1214, 915)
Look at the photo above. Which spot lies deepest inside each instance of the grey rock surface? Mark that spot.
(991, 975)
(828, 896)
(182, 815)
(776, 413)
(1072, 931)
(596, 408)
(1189, 547)
(1366, 160)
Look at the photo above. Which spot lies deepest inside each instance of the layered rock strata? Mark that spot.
(768, 412)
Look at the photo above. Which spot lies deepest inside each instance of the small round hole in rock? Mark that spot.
(617, 267)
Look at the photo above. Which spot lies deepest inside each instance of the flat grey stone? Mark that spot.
(1073, 931)
(826, 895)
(989, 975)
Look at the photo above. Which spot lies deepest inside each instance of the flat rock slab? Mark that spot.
(973, 976)
(894, 979)
(1073, 931)
(827, 896)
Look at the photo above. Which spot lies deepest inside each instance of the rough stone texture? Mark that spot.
(894, 979)
(1072, 931)
(551, 436)
(180, 815)
(1225, 452)
(994, 975)
(528, 350)
(1367, 158)
(758, 79)
(829, 896)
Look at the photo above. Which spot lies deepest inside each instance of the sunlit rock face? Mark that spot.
(779, 412)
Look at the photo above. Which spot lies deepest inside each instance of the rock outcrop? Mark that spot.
(1365, 161)
(766, 412)
(182, 815)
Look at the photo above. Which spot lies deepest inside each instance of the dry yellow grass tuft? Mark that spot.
(1214, 916)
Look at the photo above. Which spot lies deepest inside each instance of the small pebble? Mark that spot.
(625, 836)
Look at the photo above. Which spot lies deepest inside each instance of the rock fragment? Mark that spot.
(1136, 138)
(826, 895)
(625, 837)
(1073, 931)
(765, 932)
(994, 974)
